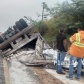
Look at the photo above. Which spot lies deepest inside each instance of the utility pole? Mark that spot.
(43, 10)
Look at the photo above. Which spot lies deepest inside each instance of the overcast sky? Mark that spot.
(12, 10)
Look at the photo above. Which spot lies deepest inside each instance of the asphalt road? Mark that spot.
(2, 77)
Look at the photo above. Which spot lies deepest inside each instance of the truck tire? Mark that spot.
(19, 25)
(1, 40)
(23, 22)
(14, 27)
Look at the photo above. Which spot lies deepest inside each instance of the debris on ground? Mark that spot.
(20, 74)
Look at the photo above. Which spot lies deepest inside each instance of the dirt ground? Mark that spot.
(45, 77)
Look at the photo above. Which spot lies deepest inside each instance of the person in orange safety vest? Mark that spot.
(76, 52)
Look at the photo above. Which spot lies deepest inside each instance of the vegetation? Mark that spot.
(66, 15)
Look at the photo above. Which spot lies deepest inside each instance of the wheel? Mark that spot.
(14, 27)
(1, 40)
(19, 25)
(23, 22)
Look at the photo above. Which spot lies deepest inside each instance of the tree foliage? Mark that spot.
(67, 14)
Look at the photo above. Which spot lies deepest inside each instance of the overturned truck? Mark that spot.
(24, 40)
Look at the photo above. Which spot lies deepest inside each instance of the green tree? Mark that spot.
(68, 14)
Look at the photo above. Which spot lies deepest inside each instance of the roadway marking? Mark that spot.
(6, 71)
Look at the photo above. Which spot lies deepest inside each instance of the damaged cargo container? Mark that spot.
(24, 40)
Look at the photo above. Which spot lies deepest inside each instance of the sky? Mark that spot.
(12, 10)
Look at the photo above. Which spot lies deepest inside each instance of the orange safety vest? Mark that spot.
(77, 46)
